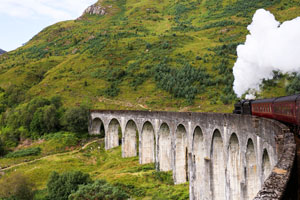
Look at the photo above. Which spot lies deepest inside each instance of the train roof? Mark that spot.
(287, 98)
(263, 100)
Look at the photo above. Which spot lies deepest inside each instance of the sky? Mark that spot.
(20, 20)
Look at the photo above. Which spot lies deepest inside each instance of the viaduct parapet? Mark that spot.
(223, 156)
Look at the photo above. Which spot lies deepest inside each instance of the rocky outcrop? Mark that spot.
(2, 51)
(95, 10)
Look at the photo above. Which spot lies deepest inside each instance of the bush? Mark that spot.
(36, 118)
(59, 141)
(45, 120)
(165, 177)
(61, 186)
(185, 82)
(294, 86)
(76, 119)
(10, 137)
(112, 90)
(16, 187)
(1, 148)
(100, 189)
(14, 95)
(24, 152)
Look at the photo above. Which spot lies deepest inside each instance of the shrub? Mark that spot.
(14, 95)
(16, 187)
(61, 186)
(165, 177)
(100, 189)
(294, 86)
(59, 141)
(185, 82)
(45, 120)
(76, 119)
(112, 90)
(1, 148)
(9, 136)
(24, 152)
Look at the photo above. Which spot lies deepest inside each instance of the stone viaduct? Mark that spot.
(223, 156)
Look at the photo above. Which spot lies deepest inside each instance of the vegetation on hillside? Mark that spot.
(164, 55)
(122, 175)
(154, 55)
(38, 118)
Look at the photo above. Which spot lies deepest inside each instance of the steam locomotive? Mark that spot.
(285, 109)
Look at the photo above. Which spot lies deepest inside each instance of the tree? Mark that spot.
(1, 148)
(14, 95)
(27, 114)
(294, 85)
(76, 119)
(61, 186)
(16, 187)
(45, 120)
(100, 189)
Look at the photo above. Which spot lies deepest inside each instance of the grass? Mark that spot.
(51, 144)
(140, 181)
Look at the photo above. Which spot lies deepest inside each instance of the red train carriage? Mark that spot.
(285, 109)
(298, 110)
(262, 108)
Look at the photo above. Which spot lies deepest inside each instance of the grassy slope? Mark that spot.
(70, 58)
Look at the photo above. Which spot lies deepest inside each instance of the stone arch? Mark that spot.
(234, 168)
(251, 175)
(199, 163)
(217, 167)
(181, 155)
(97, 127)
(164, 148)
(130, 139)
(147, 143)
(266, 165)
(112, 134)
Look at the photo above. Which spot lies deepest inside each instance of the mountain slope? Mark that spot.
(2, 51)
(162, 55)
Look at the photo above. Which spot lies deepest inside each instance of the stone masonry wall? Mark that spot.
(223, 156)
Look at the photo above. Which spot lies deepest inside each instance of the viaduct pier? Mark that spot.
(223, 156)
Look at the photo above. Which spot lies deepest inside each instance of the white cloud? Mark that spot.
(54, 9)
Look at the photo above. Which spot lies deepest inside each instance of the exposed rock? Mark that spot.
(2, 51)
(96, 9)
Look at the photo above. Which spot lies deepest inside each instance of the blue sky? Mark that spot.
(20, 20)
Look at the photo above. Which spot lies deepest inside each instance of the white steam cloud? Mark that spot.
(269, 46)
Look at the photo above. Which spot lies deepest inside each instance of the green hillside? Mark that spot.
(139, 55)
(154, 55)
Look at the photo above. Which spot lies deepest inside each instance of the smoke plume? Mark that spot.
(269, 46)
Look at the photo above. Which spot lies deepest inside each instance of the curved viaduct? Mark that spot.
(223, 156)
